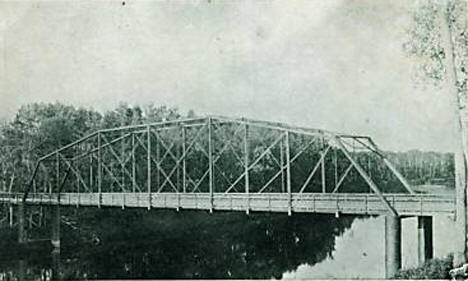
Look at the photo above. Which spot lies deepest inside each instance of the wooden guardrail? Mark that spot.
(346, 203)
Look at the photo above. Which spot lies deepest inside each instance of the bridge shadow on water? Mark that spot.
(134, 243)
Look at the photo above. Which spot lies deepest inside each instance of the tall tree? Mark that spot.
(439, 36)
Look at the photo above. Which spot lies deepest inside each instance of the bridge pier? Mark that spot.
(392, 245)
(55, 233)
(56, 275)
(55, 241)
(22, 237)
(10, 216)
(22, 269)
(425, 240)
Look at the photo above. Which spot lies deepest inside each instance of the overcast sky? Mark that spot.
(337, 65)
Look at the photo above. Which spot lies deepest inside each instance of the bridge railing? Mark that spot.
(357, 203)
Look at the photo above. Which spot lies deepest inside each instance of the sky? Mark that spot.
(337, 64)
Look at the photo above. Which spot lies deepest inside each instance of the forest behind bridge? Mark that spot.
(121, 243)
(40, 128)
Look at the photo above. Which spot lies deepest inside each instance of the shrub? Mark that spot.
(432, 269)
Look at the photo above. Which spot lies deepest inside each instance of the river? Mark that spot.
(360, 250)
(113, 243)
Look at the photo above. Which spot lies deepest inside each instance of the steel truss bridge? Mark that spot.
(219, 163)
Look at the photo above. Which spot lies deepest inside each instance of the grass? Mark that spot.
(431, 269)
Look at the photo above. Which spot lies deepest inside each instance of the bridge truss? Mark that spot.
(213, 157)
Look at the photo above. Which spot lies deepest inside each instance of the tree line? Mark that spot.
(40, 128)
(114, 243)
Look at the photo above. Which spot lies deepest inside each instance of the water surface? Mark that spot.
(119, 244)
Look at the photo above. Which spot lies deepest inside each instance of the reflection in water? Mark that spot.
(360, 251)
(118, 244)
(359, 254)
(110, 243)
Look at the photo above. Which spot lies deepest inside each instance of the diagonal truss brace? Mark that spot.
(365, 176)
(314, 170)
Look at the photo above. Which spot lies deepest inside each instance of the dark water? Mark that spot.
(124, 244)
(119, 244)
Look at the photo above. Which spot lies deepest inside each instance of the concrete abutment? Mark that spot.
(392, 245)
(425, 239)
(393, 242)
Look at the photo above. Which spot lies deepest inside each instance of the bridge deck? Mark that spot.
(346, 203)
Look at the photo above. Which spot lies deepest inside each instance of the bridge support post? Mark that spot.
(55, 234)
(392, 245)
(55, 241)
(56, 275)
(10, 216)
(22, 237)
(425, 244)
(246, 167)
(22, 269)
(210, 162)
(288, 173)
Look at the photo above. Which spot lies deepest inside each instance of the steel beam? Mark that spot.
(364, 175)
(158, 164)
(210, 162)
(288, 172)
(91, 177)
(133, 164)
(184, 161)
(400, 177)
(322, 165)
(57, 171)
(283, 189)
(265, 152)
(158, 161)
(148, 165)
(178, 161)
(314, 170)
(335, 166)
(246, 166)
(99, 159)
(121, 162)
(76, 172)
(343, 177)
